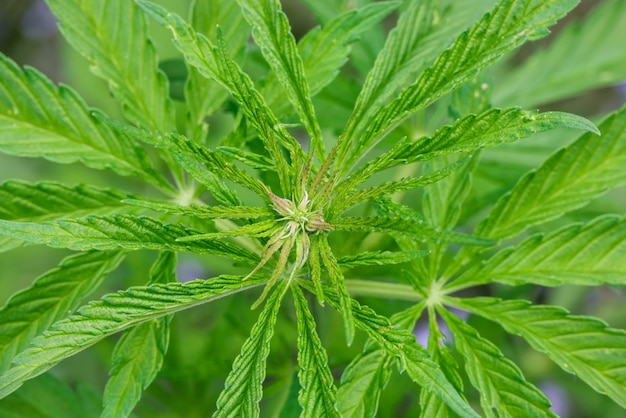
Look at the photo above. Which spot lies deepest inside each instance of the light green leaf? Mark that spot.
(432, 406)
(263, 228)
(423, 30)
(120, 53)
(324, 50)
(22, 201)
(216, 63)
(504, 392)
(271, 131)
(443, 199)
(210, 167)
(321, 245)
(583, 56)
(272, 33)
(419, 230)
(349, 197)
(582, 345)
(568, 180)
(363, 381)
(469, 134)
(203, 212)
(38, 119)
(204, 96)
(138, 355)
(317, 396)
(392, 67)
(580, 254)
(137, 358)
(113, 313)
(380, 258)
(51, 297)
(251, 159)
(244, 385)
(42, 201)
(412, 357)
(509, 25)
(119, 231)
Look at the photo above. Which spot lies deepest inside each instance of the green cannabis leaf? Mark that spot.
(315, 219)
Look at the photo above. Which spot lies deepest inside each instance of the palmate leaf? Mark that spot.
(50, 298)
(580, 254)
(138, 355)
(507, 26)
(120, 53)
(503, 390)
(244, 385)
(272, 33)
(412, 357)
(119, 231)
(469, 134)
(317, 396)
(584, 56)
(568, 180)
(38, 119)
(113, 313)
(581, 345)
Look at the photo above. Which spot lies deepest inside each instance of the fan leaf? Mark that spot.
(113, 313)
(581, 345)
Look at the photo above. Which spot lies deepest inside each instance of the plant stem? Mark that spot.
(382, 290)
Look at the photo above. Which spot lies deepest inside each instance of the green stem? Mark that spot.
(383, 290)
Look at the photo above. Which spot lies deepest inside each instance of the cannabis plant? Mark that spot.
(342, 189)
